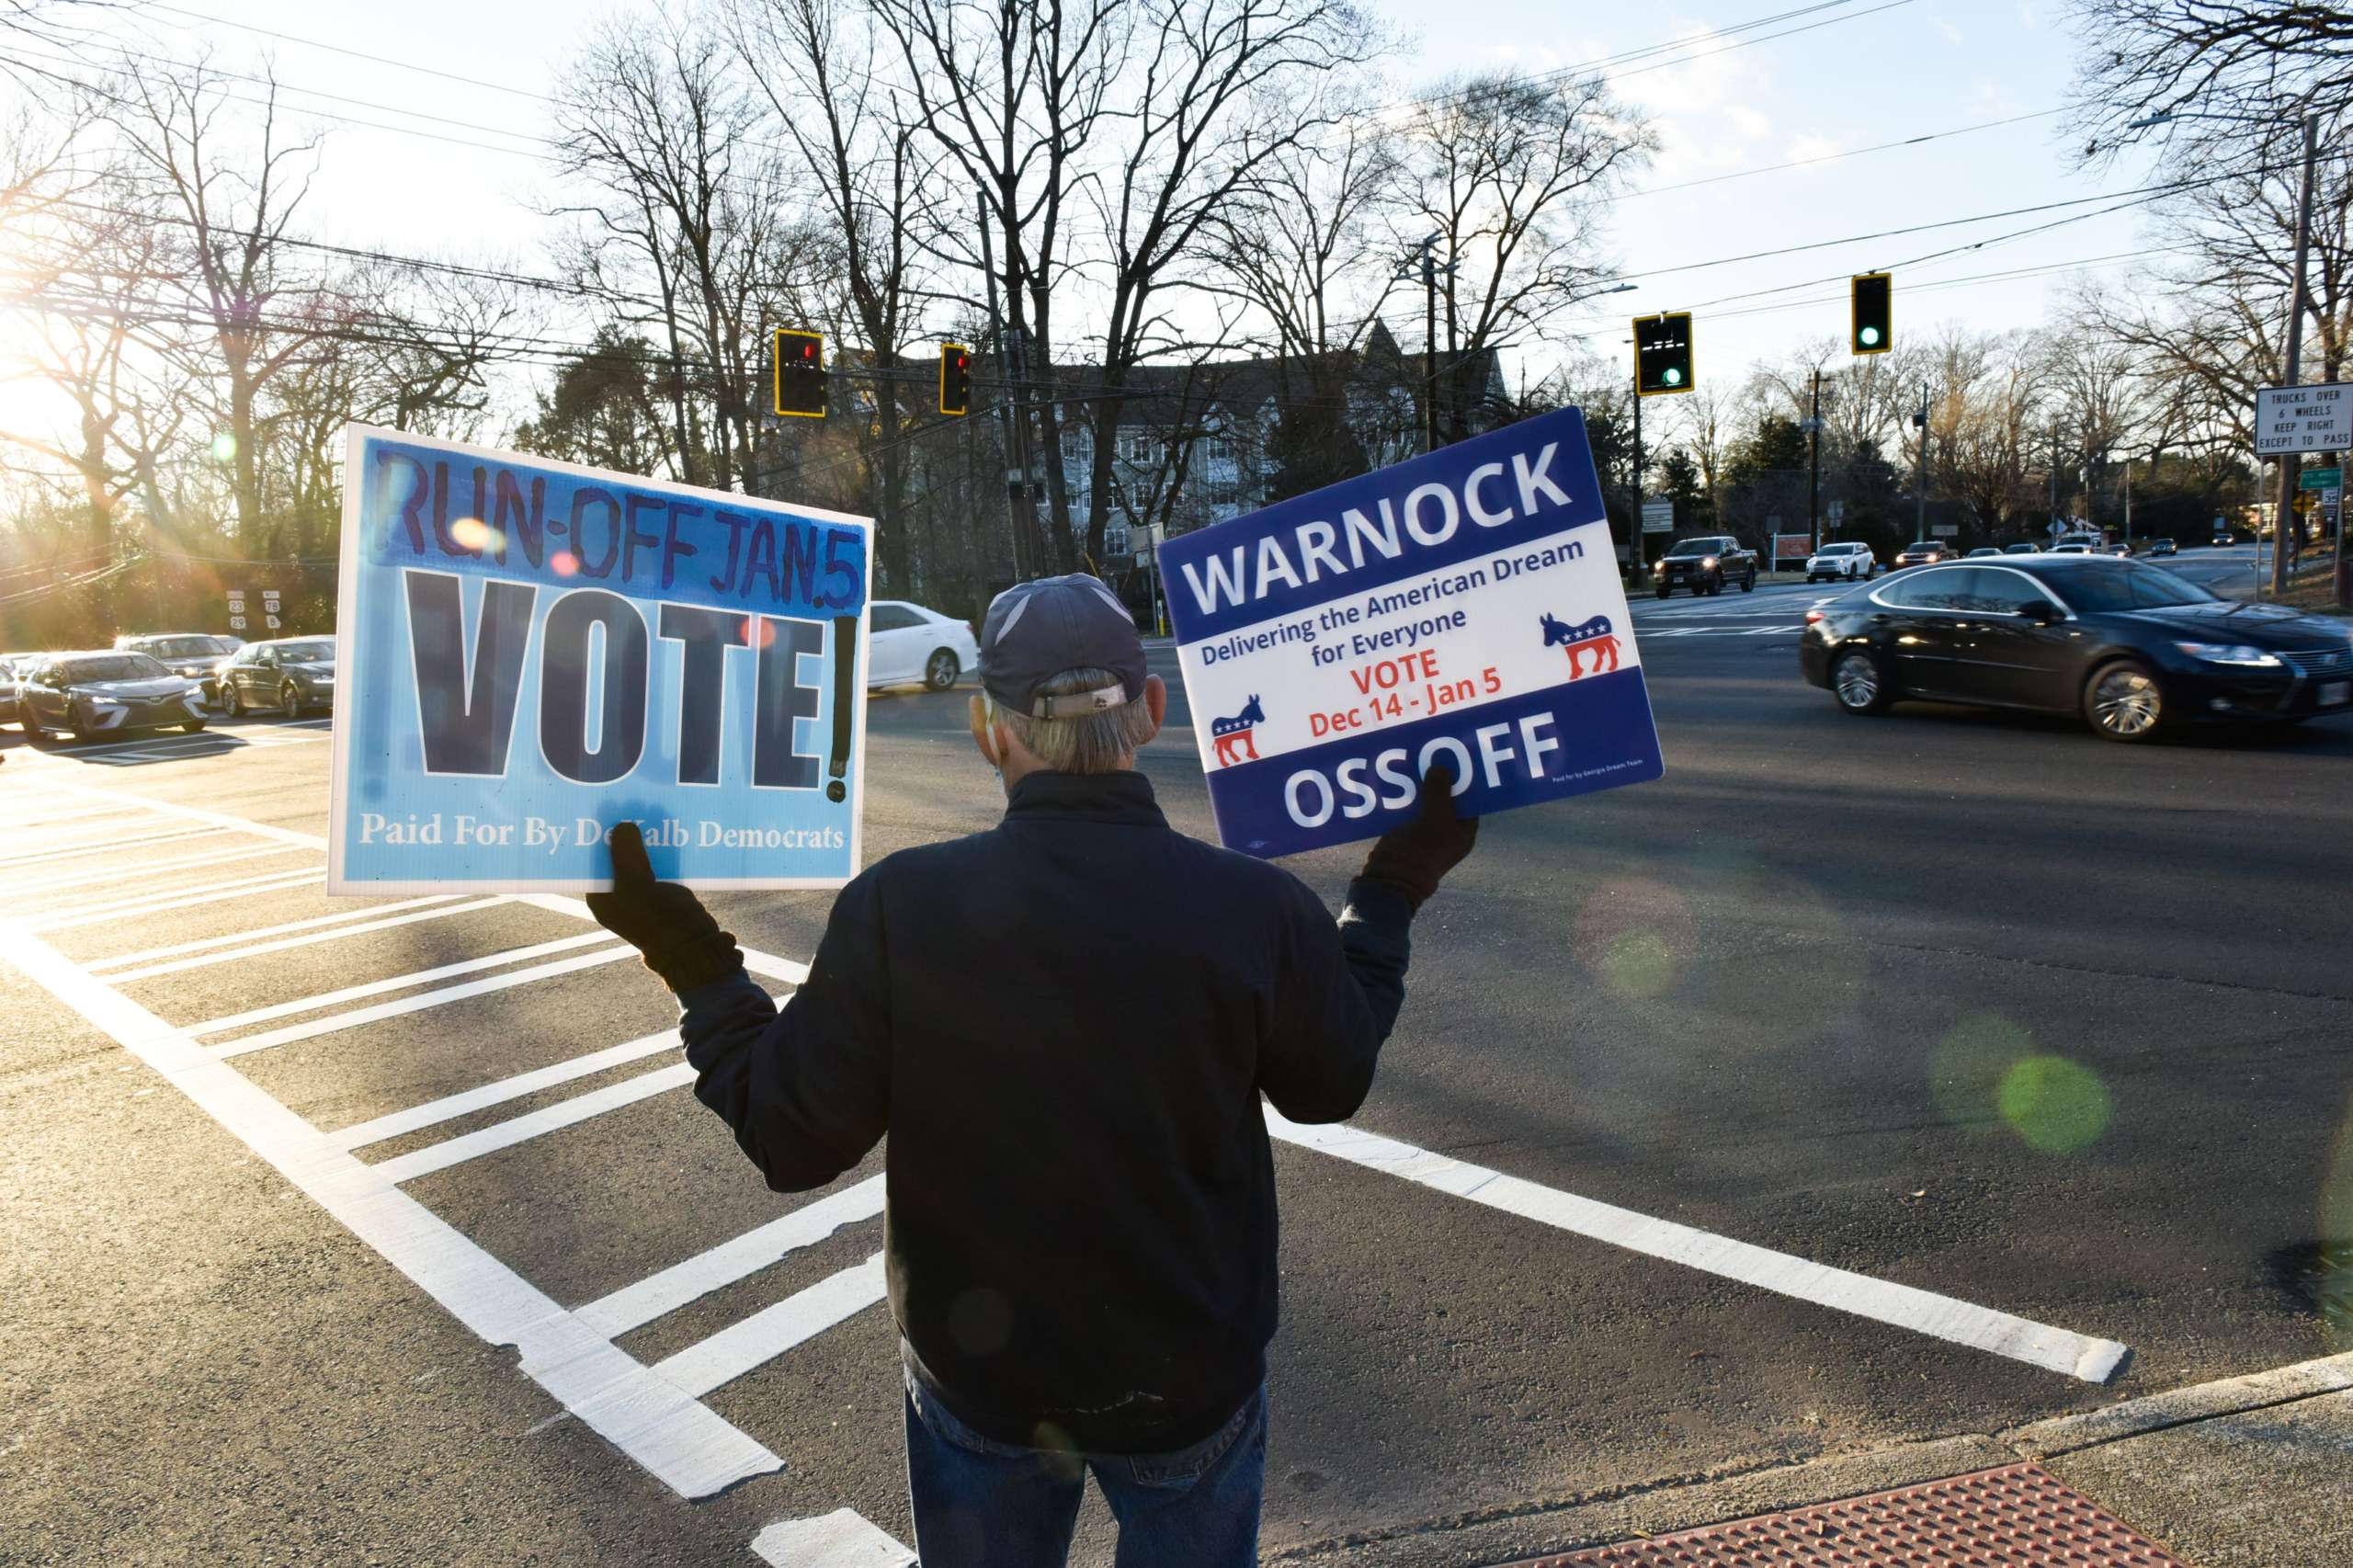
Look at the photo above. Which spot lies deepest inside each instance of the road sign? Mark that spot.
(530, 652)
(2305, 501)
(1462, 607)
(2303, 419)
(1792, 546)
(2056, 527)
(1944, 530)
(1658, 517)
(2321, 479)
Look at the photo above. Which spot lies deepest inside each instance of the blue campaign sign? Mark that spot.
(529, 653)
(1463, 608)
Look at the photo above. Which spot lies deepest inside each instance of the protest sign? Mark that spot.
(529, 653)
(1462, 607)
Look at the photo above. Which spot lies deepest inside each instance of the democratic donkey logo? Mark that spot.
(1593, 635)
(1233, 734)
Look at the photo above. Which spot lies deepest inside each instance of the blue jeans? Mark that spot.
(980, 1504)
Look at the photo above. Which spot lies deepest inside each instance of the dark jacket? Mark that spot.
(1065, 1025)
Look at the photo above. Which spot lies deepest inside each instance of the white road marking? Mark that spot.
(633, 1306)
(108, 913)
(84, 879)
(450, 1106)
(26, 826)
(741, 1348)
(396, 983)
(227, 938)
(1904, 1306)
(103, 845)
(682, 1442)
(843, 1539)
(242, 945)
(755, 960)
(382, 1010)
(194, 813)
(523, 1129)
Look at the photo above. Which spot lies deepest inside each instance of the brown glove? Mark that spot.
(1413, 857)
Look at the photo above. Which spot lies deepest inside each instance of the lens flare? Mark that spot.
(1636, 937)
(472, 533)
(564, 563)
(2057, 1105)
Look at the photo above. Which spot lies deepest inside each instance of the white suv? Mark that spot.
(1852, 561)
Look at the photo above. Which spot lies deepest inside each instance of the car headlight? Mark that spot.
(1706, 561)
(2231, 653)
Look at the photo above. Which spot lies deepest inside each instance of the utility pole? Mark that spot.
(1429, 341)
(1020, 507)
(1813, 466)
(1920, 485)
(1642, 545)
(2291, 465)
(2054, 470)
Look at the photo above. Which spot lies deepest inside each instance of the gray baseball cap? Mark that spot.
(1034, 632)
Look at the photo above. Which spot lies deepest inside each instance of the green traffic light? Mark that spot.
(1869, 337)
(1673, 377)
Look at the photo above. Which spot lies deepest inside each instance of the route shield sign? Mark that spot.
(529, 653)
(1462, 609)
(2303, 419)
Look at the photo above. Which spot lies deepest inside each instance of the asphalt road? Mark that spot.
(2050, 1032)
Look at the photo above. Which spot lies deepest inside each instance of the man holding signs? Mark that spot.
(1065, 1025)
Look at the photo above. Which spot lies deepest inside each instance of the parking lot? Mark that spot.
(1705, 1144)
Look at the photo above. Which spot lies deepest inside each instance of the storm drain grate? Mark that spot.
(2018, 1516)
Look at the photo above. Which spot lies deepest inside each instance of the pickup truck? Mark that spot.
(1704, 565)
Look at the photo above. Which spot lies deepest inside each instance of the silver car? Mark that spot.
(88, 695)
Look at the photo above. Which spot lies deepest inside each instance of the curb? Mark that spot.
(2179, 1407)
(1542, 1528)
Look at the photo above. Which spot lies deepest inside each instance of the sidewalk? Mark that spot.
(2247, 1472)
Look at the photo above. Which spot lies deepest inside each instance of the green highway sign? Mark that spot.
(2321, 479)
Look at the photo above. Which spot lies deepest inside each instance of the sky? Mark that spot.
(1872, 72)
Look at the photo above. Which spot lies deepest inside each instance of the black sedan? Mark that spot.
(98, 694)
(2132, 648)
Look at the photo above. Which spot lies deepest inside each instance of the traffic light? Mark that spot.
(1663, 354)
(955, 378)
(1874, 314)
(800, 373)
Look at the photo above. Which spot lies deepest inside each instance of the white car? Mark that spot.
(2071, 550)
(1851, 560)
(906, 644)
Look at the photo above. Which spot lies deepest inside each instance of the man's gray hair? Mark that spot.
(1091, 743)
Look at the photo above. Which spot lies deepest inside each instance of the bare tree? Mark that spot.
(654, 118)
(1016, 92)
(1508, 173)
(2244, 69)
(1220, 90)
(871, 167)
(230, 212)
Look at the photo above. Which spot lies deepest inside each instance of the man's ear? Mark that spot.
(983, 740)
(1155, 703)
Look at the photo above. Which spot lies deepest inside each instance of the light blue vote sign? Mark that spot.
(529, 653)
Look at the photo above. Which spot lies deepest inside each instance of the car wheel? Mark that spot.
(290, 701)
(81, 731)
(2123, 701)
(232, 705)
(194, 726)
(1855, 682)
(1665, 589)
(941, 672)
(1748, 584)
